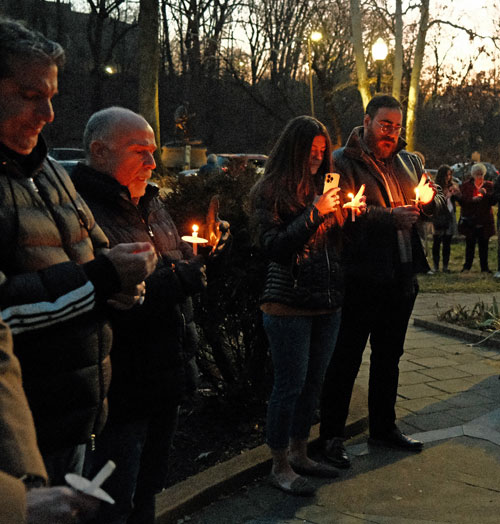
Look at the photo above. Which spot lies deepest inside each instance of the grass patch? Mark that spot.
(456, 282)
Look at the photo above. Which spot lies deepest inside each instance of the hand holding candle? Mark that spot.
(357, 203)
(425, 191)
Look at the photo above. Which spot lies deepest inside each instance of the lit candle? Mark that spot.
(353, 215)
(194, 235)
(416, 196)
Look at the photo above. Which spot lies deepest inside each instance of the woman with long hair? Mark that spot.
(298, 227)
(444, 222)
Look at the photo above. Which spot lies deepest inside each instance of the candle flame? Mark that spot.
(350, 195)
(195, 228)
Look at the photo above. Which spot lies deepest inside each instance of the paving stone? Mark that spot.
(411, 377)
(406, 365)
(471, 412)
(486, 367)
(424, 405)
(444, 373)
(417, 391)
(433, 421)
(434, 362)
(467, 399)
(456, 385)
(464, 358)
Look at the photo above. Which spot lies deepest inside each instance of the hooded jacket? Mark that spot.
(51, 293)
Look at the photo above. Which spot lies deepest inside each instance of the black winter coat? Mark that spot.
(304, 264)
(52, 292)
(153, 344)
(370, 248)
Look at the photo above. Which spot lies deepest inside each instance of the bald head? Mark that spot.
(120, 143)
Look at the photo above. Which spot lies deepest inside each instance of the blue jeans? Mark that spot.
(301, 348)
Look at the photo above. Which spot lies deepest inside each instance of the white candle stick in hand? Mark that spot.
(93, 487)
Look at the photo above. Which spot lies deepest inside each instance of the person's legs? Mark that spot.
(289, 340)
(470, 246)
(344, 365)
(483, 251)
(324, 333)
(436, 246)
(387, 343)
(446, 251)
(154, 464)
(121, 442)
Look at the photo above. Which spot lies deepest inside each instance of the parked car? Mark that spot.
(68, 157)
(66, 153)
(258, 160)
(461, 171)
(188, 172)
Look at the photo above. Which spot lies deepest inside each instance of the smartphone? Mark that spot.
(331, 180)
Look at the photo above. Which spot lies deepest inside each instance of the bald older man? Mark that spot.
(153, 345)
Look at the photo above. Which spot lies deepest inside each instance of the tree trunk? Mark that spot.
(397, 69)
(149, 54)
(357, 40)
(415, 76)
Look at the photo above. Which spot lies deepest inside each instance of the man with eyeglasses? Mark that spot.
(382, 254)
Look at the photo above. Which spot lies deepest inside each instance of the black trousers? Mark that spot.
(476, 235)
(382, 314)
(436, 247)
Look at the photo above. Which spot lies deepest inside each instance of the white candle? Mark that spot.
(195, 234)
(353, 215)
(416, 195)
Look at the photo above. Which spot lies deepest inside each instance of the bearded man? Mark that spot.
(382, 254)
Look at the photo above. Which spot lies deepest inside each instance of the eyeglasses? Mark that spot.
(390, 129)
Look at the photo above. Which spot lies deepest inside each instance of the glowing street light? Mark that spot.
(110, 70)
(379, 54)
(315, 36)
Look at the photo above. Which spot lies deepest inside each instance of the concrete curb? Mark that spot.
(194, 493)
(475, 336)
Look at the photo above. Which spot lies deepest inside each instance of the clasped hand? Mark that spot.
(405, 216)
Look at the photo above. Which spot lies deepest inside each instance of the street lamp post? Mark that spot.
(315, 36)
(379, 54)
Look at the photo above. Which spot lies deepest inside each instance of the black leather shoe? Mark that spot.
(396, 439)
(335, 452)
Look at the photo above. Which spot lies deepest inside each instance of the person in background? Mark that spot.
(444, 222)
(211, 167)
(496, 196)
(298, 229)
(154, 345)
(54, 256)
(23, 497)
(381, 255)
(476, 221)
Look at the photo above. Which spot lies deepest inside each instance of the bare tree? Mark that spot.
(149, 54)
(104, 31)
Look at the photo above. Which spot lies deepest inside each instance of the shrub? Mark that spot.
(233, 349)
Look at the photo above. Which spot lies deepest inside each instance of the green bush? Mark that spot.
(233, 350)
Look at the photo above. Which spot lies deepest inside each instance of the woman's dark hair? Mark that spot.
(287, 179)
(442, 175)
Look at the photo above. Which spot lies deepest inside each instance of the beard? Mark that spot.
(382, 147)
